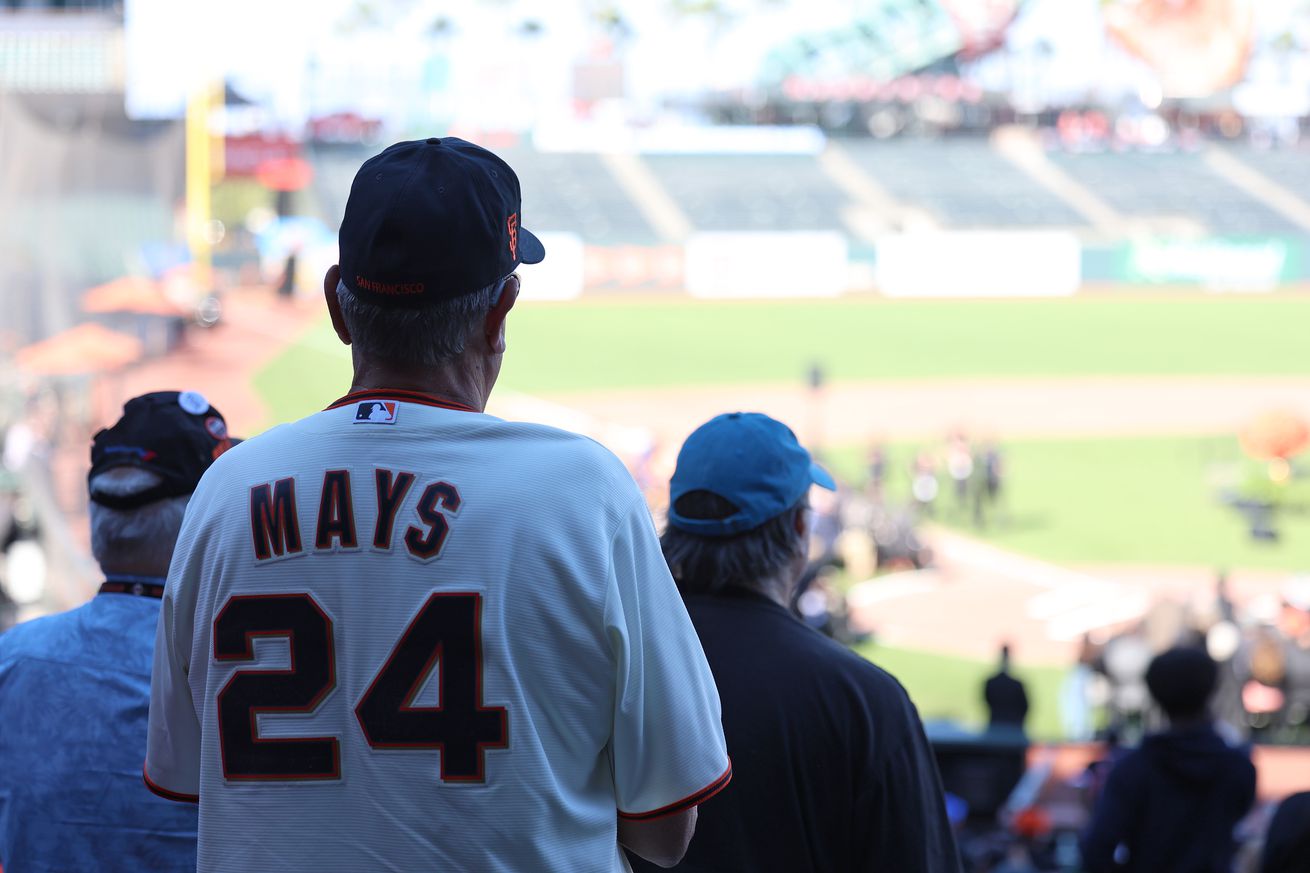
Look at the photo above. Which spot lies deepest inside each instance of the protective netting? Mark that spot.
(82, 189)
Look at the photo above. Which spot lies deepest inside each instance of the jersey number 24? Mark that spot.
(446, 634)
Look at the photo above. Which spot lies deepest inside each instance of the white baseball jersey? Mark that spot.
(403, 635)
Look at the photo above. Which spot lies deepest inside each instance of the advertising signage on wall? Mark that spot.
(979, 264)
(1217, 263)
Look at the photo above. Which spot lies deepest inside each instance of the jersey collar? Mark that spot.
(401, 394)
(141, 586)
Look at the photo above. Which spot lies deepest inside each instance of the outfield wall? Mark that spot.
(936, 264)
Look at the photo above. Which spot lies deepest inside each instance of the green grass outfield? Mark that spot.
(1072, 501)
(949, 688)
(594, 344)
(1132, 501)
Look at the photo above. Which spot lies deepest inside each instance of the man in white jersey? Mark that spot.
(401, 634)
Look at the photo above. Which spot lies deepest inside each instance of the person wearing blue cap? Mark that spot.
(832, 771)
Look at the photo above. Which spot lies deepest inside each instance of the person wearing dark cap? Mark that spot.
(1170, 806)
(75, 687)
(832, 771)
(489, 665)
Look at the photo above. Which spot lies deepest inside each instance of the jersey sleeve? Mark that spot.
(667, 746)
(172, 766)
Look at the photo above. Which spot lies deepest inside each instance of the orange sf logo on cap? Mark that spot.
(512, 223)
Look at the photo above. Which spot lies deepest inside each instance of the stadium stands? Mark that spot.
(577, 193)
(574, 193)
(1173, 186)
(961, 183)
(1289, 167)
(751, 192)
(964, 183)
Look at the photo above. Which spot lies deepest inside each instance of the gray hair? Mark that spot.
(705, 565)
(426, 337)
(144, 536)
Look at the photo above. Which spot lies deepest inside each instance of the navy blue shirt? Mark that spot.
(74, 698)
(1170, 806)
(831, 769)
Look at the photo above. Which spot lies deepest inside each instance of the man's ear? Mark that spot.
(333, 305)
(493, 329)
(802, 522)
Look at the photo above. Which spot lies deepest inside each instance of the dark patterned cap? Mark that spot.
(175, 435)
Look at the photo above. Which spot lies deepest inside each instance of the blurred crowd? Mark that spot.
(22, 558)
(873, 525)
(1181, 796)
(1246, 662)
(1262, 651)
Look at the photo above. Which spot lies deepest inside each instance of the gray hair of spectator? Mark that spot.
(705, 565)
(144, 536)
(427, 337)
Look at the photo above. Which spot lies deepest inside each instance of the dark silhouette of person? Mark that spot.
(1007, 701)
(1170, 805)
(286, 286)
(1287, 842)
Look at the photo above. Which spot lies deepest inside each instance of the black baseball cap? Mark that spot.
(431, 220)
(175, 435)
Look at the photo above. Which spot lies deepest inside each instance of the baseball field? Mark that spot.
(1117, 416)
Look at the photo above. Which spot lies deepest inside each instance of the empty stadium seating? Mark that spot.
(1173, 185)
(963, 183)
(1289, 167)
(577, 193)
(751, 192)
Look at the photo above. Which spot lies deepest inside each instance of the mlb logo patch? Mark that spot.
(376, 412)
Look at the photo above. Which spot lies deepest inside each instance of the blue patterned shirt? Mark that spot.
(74, 696)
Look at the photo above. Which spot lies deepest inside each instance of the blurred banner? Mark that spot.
(887, 39)
(562, 275)
(1052, 53)
(982, 23)
(170, 51)
(1218, 263)
(979, 264)
(427, 67)
(783, 264)
(1197, 47)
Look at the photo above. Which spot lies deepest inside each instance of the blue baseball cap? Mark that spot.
(431, 220)
(749, 459)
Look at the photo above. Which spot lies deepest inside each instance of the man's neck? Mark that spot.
(777, 590)
(454, 381)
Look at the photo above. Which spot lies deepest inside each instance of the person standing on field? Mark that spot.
(1005, 696)
(402, 634)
